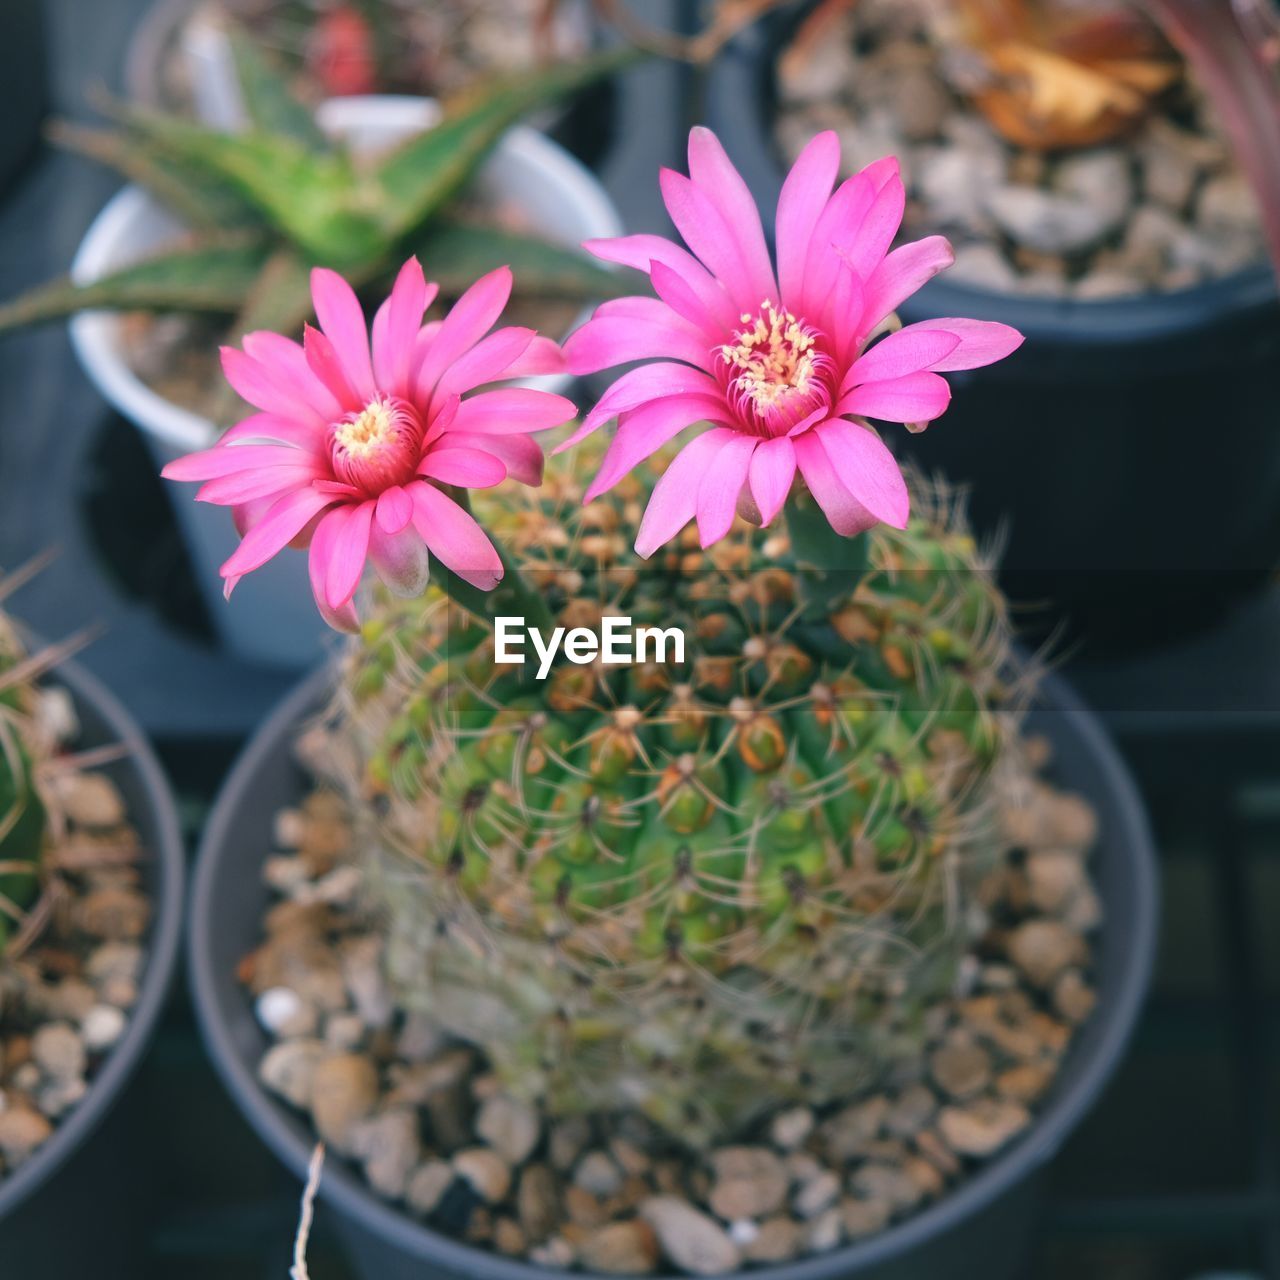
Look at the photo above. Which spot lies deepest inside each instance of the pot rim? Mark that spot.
(168, 900)
(95, 334)
(345, 1191)
(750, 64)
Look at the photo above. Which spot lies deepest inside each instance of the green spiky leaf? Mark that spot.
(271, 105)
(209, 276)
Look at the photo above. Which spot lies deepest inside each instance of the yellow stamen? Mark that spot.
(773, 354)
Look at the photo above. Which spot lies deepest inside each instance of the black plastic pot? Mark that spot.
(1130, 448)
(75, 1177)
(981, 1230)
(24, 83)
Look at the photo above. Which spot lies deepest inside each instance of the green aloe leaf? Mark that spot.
(198, 197)
(268, 99)
(420, 177)
(456, 254)
(212, 276)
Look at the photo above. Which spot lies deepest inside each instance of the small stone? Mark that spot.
(911, 1111)
(633, 1160)
(390, 1147)
(984, 267)
(1170, 169)
(953, 184)
(508, 1238)
(983, 1127)
(344, 1089)
(1102, 179)
(848, 1132)
(344, 1032)
(920, 102)
(22, 1130)
(288, 1069)
(121, 992)
(537, 1201)
(568, 1139)
(1054, 877)
(584, 1209)
(961, 1069)
(114, 960)
(1025, 1083)
(1042, 949)
(825, 1231)
(557, 1253)
(362, 974)
(427, 1185)
(824, 72)
(1047, 221)
(689, 1239)
(285, 1014)
(816, 1195)
(777, 1240)
(91, 800)
(864, 1218)
(621, 1249)
(597, 1173)
(114, 913)
(102, 1027)
(488, 1175)
(70, 1000)
(750, 1182)
(1073, 997)
(742, 1231)
(57, 1098)
(887, 1183)
(510, 1127)
(420, 1039)
(1227, 205)
(59, 1051)
(789, 1129)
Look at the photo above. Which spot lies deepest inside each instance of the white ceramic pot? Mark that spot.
(272, 619)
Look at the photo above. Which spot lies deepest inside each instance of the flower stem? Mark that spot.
(512, 597)
(829, 566)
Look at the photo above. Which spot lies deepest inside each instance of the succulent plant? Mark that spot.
(22, 811)
(265, 206)
(696, 889)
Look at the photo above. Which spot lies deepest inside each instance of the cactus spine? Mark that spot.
(698, 891)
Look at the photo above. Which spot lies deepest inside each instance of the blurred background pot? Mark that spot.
(272, 618)
(983, 1228)
(24, 83)
(73, 1178)
(1127, 452)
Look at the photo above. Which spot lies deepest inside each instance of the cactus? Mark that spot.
(265, 206)
(22, 812)
(700, 889)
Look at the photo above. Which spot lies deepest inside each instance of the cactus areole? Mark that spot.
(664, 808)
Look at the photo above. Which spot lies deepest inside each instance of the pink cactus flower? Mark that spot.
(783, 369)
(355, 446)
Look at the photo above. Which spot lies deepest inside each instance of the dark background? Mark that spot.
(1176, 1173)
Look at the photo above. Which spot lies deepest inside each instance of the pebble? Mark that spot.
(750, 1182)
(289, 1069)
(1026, 1082)
(864, 1218)
(984, 267)
(1054, 878)
(427, 1185)
(816, 1195)
(538, 1201)
(825, 1231)
(1042, 949)
(59, 1052)
(488, 1175)
(848, 1132)
(344, 1090)
(892, 1184)
(621, 1249)
(568, 1140)
(284, 1013)
(22, 1130)
(597, 1174)
(362, 974)
(961, 1069)
(776, 1240)
(1047, 221)
(114, 960)
(390, 1147)
(113, 913)
(1073, 997)
(789, 1129)
(102, 1027)
(91, 800)
(344, 1032)
(983, 1127)
(911, 1111)
(510, 1127)
(689, 1239)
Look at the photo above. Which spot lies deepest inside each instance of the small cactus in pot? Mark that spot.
(707, 878)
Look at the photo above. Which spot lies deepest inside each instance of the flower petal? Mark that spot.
(469, 319)
(343, 323)
(454, 538)
(867, 469)
(649, 382)
(488, 360)
(650, 332)
(286, 362)
(224, 460)
(257, 482)
(712, 170)
(721, 484)
(395, 509)
(773, 468)
(322, 359)
(269, 427)
(979, 342)
(400, 559)
(846, 514)
(253, 381)
(470, 468)
(281, 524)
(705, 230)
(521, 455)
(322, 545)
(804, 195)
(902, 272)
(394, 336)
(642, 432)
(542, 356)
(675, 496)
(917, 397)
(910, 350)
(513, 410)
(709, 309)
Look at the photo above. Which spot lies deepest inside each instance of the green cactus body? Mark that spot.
(696, 890)
(22, 814)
